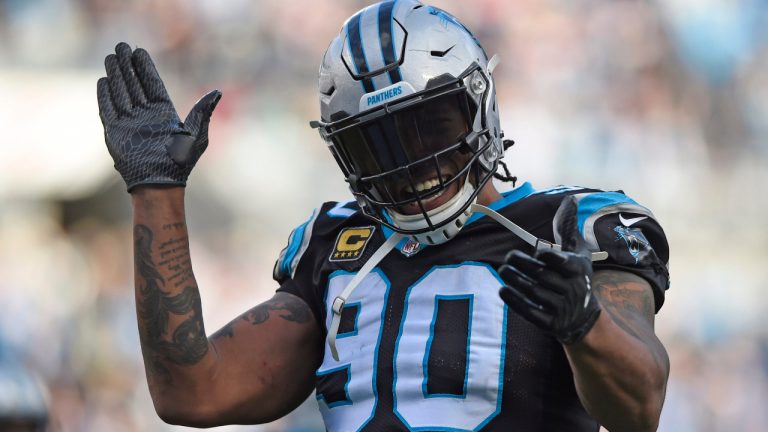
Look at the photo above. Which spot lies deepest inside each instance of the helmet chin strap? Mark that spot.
(340, 300)
(438, 216)
(537, 243)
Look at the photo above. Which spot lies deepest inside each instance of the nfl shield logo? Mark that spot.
(410, 247)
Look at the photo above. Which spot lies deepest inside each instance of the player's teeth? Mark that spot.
(425, 185)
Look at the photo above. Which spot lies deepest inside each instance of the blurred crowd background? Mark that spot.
(667, 100)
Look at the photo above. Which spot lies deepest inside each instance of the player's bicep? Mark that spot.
(627, 298)
(267, 359)
(629, 301)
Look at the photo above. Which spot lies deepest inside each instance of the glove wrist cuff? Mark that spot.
(154, 182)
(577, 334)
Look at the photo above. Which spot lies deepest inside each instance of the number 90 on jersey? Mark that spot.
(447, 366)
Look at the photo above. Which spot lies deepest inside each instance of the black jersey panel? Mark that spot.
(448, 347)
(332, 387)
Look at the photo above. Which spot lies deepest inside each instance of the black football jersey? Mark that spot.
(425, 342)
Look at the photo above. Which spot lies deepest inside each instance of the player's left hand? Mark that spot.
(552, 289)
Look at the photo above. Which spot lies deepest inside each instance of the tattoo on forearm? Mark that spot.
(173, 226)
(187, 344)
(174, 255)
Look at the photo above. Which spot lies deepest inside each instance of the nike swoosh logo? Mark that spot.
(631, 221)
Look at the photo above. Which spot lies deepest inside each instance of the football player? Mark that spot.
(430, 301)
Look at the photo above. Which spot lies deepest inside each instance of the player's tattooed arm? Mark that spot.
(621, 367)
(255, 369)
(169, 309)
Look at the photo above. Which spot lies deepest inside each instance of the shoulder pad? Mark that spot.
(629, 233)
(592, 206)
(298, 242)
(342, 209)
(562, 189)
(324, 222)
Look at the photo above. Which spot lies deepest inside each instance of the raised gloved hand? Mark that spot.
(147, 140)
(553, 288)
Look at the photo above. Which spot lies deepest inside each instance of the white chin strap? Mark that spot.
(341, 299)
(438, 216)
(539, 244)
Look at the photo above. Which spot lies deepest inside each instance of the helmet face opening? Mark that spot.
(395, 153)
(411, 149)
(405, 136)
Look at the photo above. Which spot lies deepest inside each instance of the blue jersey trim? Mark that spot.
(340, 210)
(559, 189)
(388, 231)
(507, 198)
(593, 202)
(293, 247)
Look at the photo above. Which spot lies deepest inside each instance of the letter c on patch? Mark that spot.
(353, 239)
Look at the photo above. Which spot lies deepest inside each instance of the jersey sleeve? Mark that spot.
(299, 269)
(629, 233)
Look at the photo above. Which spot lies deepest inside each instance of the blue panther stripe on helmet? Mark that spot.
(358, 52)
(387, 39)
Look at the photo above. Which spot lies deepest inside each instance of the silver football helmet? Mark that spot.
(408, 109)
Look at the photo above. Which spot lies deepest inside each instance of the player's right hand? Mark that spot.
(553, 289)
(144, 135)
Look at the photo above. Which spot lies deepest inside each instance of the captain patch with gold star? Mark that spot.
(351, 243)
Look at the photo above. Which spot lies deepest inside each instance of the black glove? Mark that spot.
(553, 289)
(144, 135)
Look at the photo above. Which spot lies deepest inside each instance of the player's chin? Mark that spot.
(432, 201)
